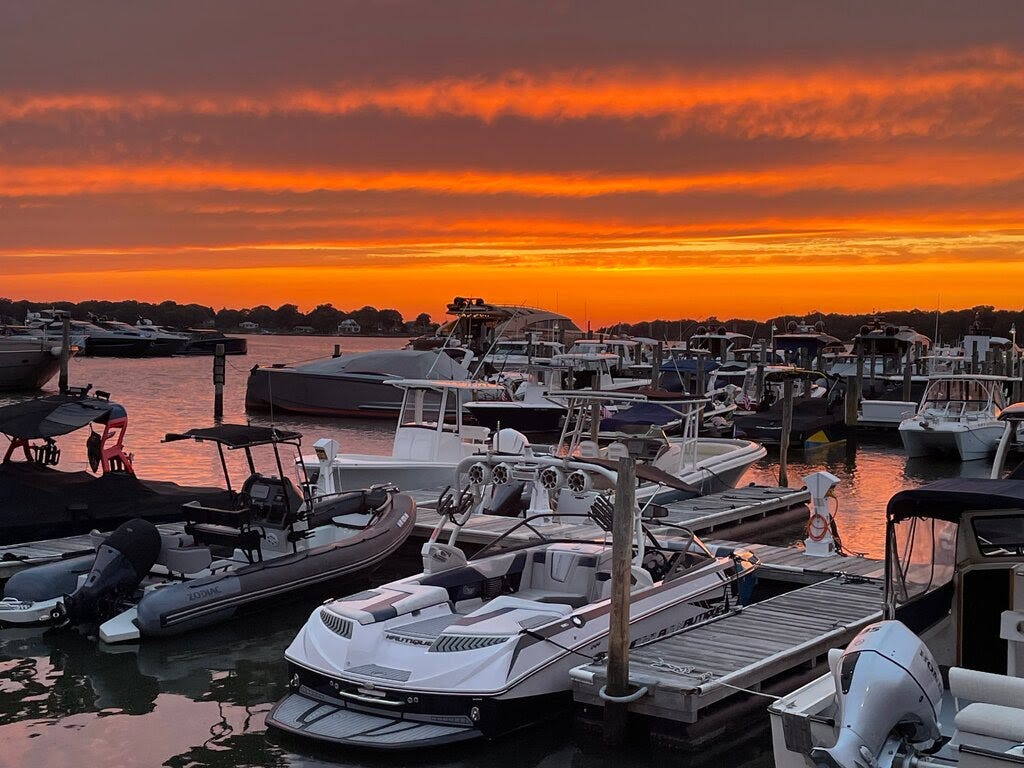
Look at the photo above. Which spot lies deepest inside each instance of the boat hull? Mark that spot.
(28, 368)
(965, 441)
(352, 395)
(113, 346)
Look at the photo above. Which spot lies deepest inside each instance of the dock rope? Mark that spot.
(705, 677)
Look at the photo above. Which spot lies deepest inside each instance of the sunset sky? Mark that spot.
(613, 160)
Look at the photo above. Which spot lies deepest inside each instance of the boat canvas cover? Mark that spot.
(236, 435)
(687, 365)
(646, 414)
(38, 502)
(949, 499)
(54, 415)
(402, 363)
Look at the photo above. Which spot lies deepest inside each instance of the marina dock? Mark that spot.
(687, 673)
(703, 515)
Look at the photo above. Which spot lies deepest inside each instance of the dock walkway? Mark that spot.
(701, 666)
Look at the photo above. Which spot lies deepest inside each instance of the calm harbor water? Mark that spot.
(201, 700)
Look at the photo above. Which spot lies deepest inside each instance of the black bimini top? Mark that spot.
(55, 415)
(236, 435)
(949, 499)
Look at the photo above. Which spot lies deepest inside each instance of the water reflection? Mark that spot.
(202, 699)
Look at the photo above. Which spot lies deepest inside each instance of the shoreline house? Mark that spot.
(348, 327)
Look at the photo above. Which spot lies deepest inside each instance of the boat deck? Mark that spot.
(688, 672)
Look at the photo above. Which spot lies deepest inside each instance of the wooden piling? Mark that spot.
(974, 358)
(616, 713)
(907, 373)
(852, 400)
(337, 350)
(218, 382)
(787, 427)
(759, 382)
(701, 385)
(65, 353)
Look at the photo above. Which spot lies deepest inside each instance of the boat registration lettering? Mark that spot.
(402, 520)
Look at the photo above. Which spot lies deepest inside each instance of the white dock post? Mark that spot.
(819, 541)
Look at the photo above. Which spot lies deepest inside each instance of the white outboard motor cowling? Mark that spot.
(887, 683)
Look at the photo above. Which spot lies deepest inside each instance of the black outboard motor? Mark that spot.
(122, 561)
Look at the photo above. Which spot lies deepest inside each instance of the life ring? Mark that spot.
(817, 527)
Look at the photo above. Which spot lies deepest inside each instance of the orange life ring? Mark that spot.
(817, 527)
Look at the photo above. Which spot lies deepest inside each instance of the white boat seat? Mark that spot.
(187, 560)
(986, 687)
(992, 720)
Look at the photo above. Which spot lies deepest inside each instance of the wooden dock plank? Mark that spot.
(697, 667)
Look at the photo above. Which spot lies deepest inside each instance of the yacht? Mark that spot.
(477, 647)
(939, 682)
(165, 341)
(97, 341)
(26, 361)
(354, 385)
(958, 415)
(515, 354)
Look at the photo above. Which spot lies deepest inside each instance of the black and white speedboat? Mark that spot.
(271, 543)
(476, 648)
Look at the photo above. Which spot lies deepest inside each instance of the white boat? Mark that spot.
(480, 647)
(954, 600)
(514, 354)
(430, 440)
(958, 415)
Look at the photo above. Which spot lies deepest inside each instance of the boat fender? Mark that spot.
(121, 562)
(94, 450)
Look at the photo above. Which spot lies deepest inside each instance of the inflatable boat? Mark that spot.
(275, 540)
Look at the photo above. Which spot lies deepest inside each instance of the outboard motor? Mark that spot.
(887, 683)
(122, 561)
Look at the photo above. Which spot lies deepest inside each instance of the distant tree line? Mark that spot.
(952, 324)
(322, 319)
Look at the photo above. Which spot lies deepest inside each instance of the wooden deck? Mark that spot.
(704, 665)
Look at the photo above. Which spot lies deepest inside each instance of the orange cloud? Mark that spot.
(959, 94)
(882, 171)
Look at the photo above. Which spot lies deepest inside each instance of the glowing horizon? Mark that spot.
(662, 173)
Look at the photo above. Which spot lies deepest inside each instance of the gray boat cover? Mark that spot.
(401, 363)
(54, 415)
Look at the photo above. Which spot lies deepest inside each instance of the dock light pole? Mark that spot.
(623, 529)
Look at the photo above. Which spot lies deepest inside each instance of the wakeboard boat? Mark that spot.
(479, 647)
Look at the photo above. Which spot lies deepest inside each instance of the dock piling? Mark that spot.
(907, 373)
(218, 382)
(787, 427)
(615, 713)
(65, 353)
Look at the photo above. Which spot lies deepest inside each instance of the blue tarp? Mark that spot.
(644, 414)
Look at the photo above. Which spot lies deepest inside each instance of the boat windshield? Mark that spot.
(962, 395)
(923, 556)
(1000, 536)
(422, 407)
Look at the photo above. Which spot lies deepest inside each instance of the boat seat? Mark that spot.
(986, 687)
(187, 560)
(197, 513)
(564, 574)
(225, 536)
(515, 602)
(991, 720)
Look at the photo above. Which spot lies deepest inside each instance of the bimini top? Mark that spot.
(236, 435)
(949, 499)
(55, 415)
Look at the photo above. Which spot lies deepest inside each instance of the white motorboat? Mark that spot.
(958, 415)
(480, 647)
(940, 681)
(515, 354)
(430, 440)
